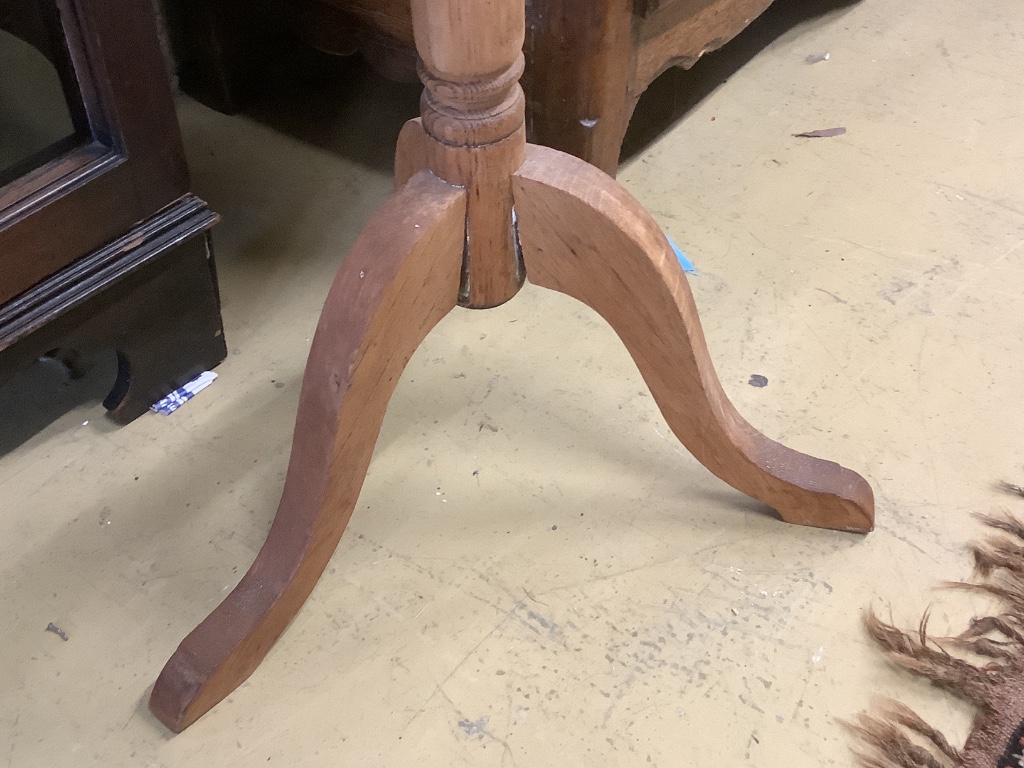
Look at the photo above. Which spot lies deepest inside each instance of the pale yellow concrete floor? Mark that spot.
(873, 278)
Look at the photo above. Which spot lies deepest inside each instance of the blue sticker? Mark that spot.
(687, 264)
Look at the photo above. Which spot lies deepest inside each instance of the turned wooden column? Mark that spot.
(473, 112)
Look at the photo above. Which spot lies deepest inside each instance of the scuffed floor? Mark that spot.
(537, 573)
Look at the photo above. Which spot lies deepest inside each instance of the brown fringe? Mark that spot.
(996, 644)
(890, 747)
(998, 554)
(917, 654)
(1011, 488)
(905, 716)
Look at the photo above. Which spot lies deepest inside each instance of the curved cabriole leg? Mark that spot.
(585, 236)
(400, 279)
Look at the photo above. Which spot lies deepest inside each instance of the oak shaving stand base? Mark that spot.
(582, 235)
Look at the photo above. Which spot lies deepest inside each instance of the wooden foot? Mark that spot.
(400, 279)
(585, 236)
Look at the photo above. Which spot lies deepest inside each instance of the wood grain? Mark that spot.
(492, 273)
(680, 36)
(583, 235)
(463, 41)
(581, 57)
(411, 152)
(473, 113)
(400, 279)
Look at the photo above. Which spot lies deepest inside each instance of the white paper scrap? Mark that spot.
(182, 395)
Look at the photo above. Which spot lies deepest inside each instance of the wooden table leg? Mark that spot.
(577, 85)
(400, 279)
(584, 235)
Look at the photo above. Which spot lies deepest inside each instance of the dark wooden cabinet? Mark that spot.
(101, 244)
(587, 61)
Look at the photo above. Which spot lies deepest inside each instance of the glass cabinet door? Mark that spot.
(42, 113)
(89, 141)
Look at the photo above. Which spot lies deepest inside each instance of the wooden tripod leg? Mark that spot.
(400, 279)
(585, 236)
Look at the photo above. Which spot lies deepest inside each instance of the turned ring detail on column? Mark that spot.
(475, 113)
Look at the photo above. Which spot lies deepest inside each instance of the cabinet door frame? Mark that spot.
(130, 164)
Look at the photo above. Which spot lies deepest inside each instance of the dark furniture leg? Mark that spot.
(151, 295)
(580, 56)
(223, 48)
